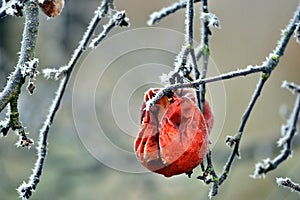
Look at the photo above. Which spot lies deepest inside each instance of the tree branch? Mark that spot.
(288, 183)
(157, 16)
(195, 84)
(288, 132)
(205, 51)
(11, 92)
(17, 79)
(234, 141)
(266, 68)
(270, 63)
(26, 189)
(12, 7)
(118, 19)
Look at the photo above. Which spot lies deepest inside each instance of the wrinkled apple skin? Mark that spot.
(173, 138)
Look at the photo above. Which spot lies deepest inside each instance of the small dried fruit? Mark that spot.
(173, 138)
(52, 8)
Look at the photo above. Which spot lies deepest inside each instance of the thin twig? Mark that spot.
(17, 79)
(190, 43)
(12, 7)
(288, 183)
(286, 141)
(204, 45)
(118, 19)
(26, 189)
(270, 63)
(195, 84)
(291, 87)
(11, 92)
(164, 12)
(215, 186)
(235, 141)
(266, 68)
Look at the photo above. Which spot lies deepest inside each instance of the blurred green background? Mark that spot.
(250, 30)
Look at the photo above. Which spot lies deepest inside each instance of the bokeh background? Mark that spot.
(250, 30)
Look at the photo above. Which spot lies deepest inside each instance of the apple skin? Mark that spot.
(173, 137)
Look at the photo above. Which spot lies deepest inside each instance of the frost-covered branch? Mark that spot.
(288, 132)
(26, 67)
(118, 19)
(157, 16)
(17, 79)
(12, 7)
(26, 189)
(288, 183)
(207, 20)
(98, 16)
(265, 68)
(204, 52)
(234, 142)
(195, 84)
(291, 87)
(190, 43)
(269, 64)
(210, 171)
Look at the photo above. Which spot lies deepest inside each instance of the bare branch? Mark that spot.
(12, 7)
(291, 87)
(214, 177)
(11, 92)
(195, 84)
(17, 79)
(157, 16)
(26, 189)
(270, 63)
(190, 43)
(286, 141)
(118, 19)
(204, 46)
(235, 140)
(266, 68)
(288, 183)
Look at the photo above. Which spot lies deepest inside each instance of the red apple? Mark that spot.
(173, 137)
